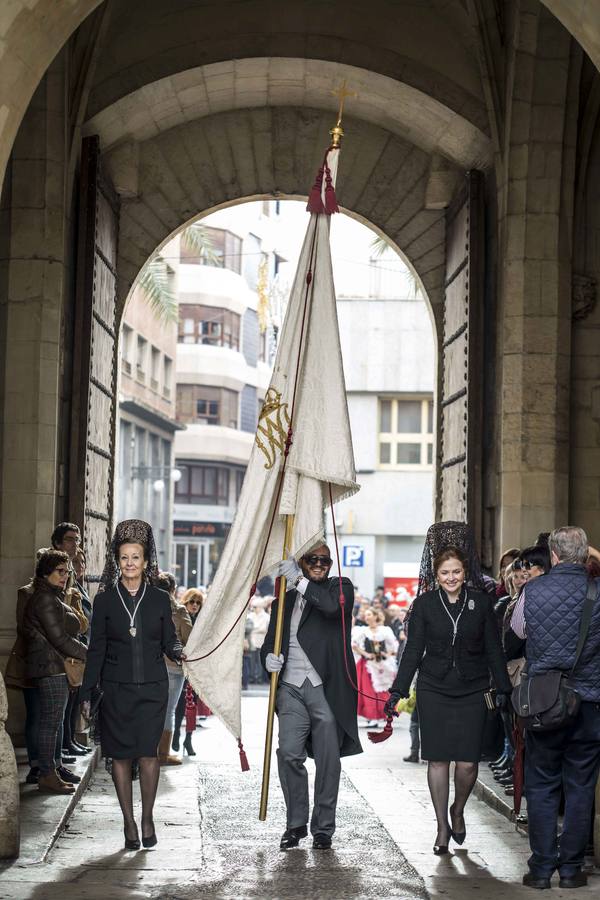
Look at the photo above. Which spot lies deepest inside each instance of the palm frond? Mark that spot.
(196, 240)
(378, 247)
(154, 283)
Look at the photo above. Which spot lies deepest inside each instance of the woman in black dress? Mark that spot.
(453, 641)
(132, 628)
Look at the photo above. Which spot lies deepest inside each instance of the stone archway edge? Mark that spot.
(281, 81)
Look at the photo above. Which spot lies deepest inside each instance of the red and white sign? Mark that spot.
(400, 582)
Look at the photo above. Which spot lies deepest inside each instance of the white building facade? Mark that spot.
(388, 352)
(223, 369)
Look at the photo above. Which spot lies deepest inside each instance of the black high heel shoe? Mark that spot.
(151, 840)
(131, 844)
(457, 836)
(187, 744)
(442, 849)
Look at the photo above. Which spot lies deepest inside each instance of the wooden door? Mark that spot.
(459, 485)
(94, 405)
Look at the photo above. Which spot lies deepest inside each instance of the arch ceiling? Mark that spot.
(258, 82)
(201, 165)
(427, 44)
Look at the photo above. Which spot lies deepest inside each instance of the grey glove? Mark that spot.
(274, 663)
(289, 569)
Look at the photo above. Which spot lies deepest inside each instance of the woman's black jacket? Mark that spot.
(50, 630)
(114, 655)
(477, 650)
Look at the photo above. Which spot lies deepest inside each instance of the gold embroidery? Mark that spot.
(273, 423)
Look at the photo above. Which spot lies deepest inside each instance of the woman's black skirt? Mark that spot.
(452, 728)
(132, 718)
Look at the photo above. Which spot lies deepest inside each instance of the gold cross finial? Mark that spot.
(337, 131)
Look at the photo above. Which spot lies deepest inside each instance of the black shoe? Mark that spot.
(412, 757)
(578, 880)
(131, 844)
(291, 837)
(72, 750)
(500, 762)
(33, 775)
(502, 773)
(440, 849)
(458, 836)
(506, 782)
(175, 741)
(68, 760)
(151, 840)
(538, 882)
(321, 842)
(67, 776)
(187, 744)
(82, 747)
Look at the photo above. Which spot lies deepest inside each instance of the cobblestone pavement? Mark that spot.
(211, 843)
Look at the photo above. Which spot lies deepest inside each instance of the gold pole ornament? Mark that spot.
(337, 132)
(264, 794)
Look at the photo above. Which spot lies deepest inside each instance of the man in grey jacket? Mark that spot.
(567, 759)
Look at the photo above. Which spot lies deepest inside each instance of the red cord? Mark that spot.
(288, 444)
(343, 606)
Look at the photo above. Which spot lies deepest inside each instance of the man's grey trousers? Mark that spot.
(304, 713)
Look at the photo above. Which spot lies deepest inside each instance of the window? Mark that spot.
(141, 359)
(209, 325)
(207, 405)
(226, 251)
(167, 376)
(154, 368)
(126, 348)
(206, 485)
(405, 432)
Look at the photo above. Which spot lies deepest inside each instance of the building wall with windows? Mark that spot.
(223, 371)
(147, 424)
(388, 351)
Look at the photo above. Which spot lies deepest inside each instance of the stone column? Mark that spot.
(9, 787)
(535, 319)
(34, 277)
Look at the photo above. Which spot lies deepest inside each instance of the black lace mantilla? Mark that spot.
(449, 534)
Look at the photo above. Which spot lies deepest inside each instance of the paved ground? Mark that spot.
(211, 843)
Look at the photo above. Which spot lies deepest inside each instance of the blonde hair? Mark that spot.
(194, 594)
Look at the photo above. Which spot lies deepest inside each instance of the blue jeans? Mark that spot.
(564, 760)
(176, 679)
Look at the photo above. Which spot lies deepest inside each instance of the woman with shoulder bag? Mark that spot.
(453, 641)
(50, 629)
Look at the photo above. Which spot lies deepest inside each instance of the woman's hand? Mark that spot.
(85, 709)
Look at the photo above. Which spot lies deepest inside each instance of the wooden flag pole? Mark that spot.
(264, 794)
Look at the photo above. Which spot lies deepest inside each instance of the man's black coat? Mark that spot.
(320, 636)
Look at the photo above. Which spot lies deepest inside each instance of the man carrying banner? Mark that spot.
(316, 702)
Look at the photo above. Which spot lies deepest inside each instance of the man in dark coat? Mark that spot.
(316, 702)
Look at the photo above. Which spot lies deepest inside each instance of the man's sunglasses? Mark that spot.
(315, 560)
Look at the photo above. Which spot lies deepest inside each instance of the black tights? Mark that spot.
(149, 774)
(438, 779)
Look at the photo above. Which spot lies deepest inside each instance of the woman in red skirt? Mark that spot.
(376, 648)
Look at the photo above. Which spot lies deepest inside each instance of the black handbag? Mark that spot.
(547, 702)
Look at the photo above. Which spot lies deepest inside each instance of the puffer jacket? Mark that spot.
(553, 607)
(50, 629)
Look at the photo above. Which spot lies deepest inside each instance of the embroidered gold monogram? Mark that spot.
(273, 423)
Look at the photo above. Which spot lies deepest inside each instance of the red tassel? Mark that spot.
(377, 737)
(243, 758)
(331, 204)
(315, 201)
